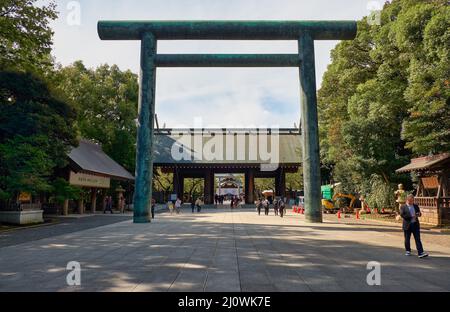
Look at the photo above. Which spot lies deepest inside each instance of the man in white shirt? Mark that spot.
(178, 205)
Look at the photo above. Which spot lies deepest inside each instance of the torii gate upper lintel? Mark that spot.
(305, 32)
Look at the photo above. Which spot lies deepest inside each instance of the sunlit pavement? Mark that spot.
(224, 250)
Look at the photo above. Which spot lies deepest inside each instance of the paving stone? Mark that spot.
(220, 250)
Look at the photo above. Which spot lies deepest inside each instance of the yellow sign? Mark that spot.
(89, 180)
(25, 197)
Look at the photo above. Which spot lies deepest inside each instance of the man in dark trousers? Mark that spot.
(266, 207)
(259, 205)
(109, 204)
(281, 207)
(410, 213)
(153, 208)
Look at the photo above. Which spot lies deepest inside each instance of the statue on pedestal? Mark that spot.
(400, 195)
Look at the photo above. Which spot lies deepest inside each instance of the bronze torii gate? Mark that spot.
(305, 32)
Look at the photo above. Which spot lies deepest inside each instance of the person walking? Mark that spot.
(410, 213)
(259, 206)
(281, 207)
(170, 206)
(108, 206)
(178, 205)
(266, 206)
(198, 204)
(153, 208)
(192, 205)
(275, 206)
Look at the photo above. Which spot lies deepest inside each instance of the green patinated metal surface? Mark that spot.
(227, 30)
(310, 126)
(228, 60)
(305, 32)
(144, 150)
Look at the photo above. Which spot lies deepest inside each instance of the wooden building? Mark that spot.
(90, 168)
(433, 194)
(204, 153)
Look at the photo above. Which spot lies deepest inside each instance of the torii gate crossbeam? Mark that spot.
(305, 32)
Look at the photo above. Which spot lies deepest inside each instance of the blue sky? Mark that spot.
(222, 97)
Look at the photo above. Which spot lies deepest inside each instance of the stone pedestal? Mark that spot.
(22, 217)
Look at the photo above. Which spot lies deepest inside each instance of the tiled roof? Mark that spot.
(427, 162)
(288, 150)
(89, 156)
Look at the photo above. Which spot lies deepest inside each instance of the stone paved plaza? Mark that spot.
(220, 250)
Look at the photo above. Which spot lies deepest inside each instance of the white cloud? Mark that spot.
(220, 96)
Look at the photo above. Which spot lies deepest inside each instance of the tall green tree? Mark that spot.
(385, 96)
(36, 132)
(424, 34)
(107, 100)
(25, 35)
(294, 181)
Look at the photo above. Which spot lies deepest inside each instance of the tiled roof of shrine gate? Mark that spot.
(227, 146)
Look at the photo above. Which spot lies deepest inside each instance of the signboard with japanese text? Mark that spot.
(89, 180)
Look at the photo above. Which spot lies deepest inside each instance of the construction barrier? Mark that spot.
(298, 209)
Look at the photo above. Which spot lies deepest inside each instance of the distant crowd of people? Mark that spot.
(278, 205)
(108, 204)
(219, 199)
(175, 206)
(235, 201)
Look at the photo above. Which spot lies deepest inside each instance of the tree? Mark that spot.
(162, 182)
(194, 187)
(107, 100)
(25, 35)
(25, 167)
(384, 97)
(264, 184)
(294, 181)
(62, 190)
(427, 130)
(36, 132)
